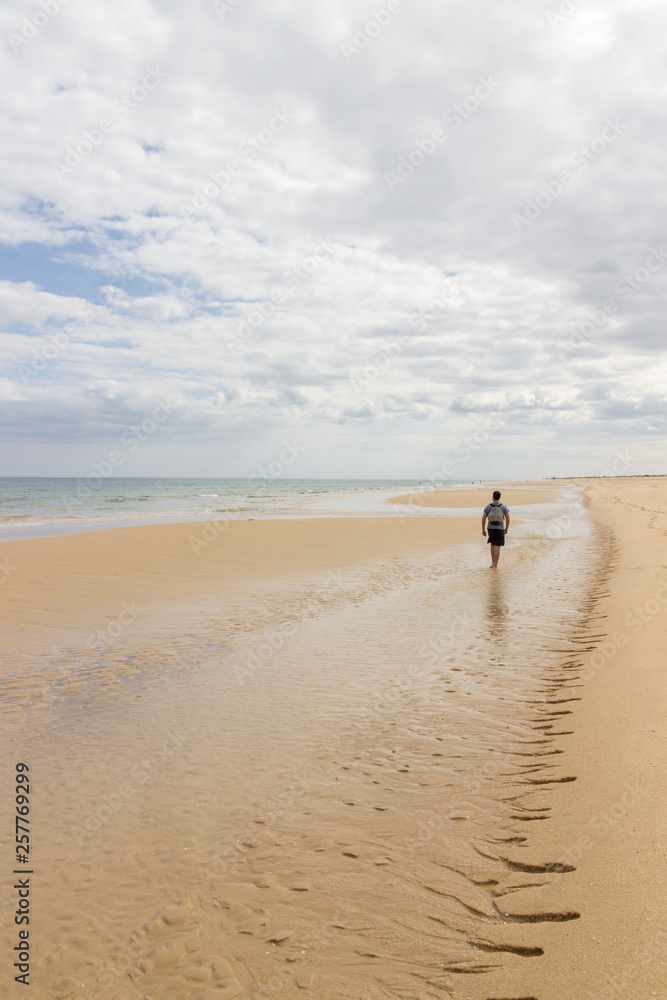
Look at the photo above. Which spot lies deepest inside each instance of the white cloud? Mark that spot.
(25, 303)
(209, 157)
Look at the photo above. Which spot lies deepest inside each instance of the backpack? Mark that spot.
(496, 517)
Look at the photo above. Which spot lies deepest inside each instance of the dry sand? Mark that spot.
(459, 497)
(326, 759)
(611, 824)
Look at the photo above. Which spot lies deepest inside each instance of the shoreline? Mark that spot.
(65, 587)
(276, 504)
(595, 928)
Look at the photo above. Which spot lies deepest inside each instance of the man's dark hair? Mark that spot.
(496, 494)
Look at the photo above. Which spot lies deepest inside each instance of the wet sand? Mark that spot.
(66, 588)
(339, 760)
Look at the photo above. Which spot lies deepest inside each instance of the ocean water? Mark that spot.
(30, 507)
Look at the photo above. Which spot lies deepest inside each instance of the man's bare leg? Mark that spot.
(495, 556)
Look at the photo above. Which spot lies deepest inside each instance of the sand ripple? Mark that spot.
(322, 793)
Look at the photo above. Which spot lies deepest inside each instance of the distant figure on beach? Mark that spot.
(498, 516)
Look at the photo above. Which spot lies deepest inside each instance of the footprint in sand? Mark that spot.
(323, 845)
(172, 915)
(65, 953)
(65, 987)
(432, 779)
(172, 952)
(215, 972)
(279, 937)
(358, 851)
(301, 885)
(264, 818)
(196, 973)
(265, 881)
(253, 924)
(221, 992)
(264, 838)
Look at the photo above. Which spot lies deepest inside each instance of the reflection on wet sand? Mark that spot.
(335, 814)
(496, 608)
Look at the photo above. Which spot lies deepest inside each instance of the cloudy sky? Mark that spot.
(408, 237)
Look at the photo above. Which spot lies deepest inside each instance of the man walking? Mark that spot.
(498, 516)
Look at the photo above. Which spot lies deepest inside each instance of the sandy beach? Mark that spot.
(340, 758)
(611, 824)
(66, 588)
(478, 497)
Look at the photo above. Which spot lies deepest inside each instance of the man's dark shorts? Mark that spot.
(496, 536)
